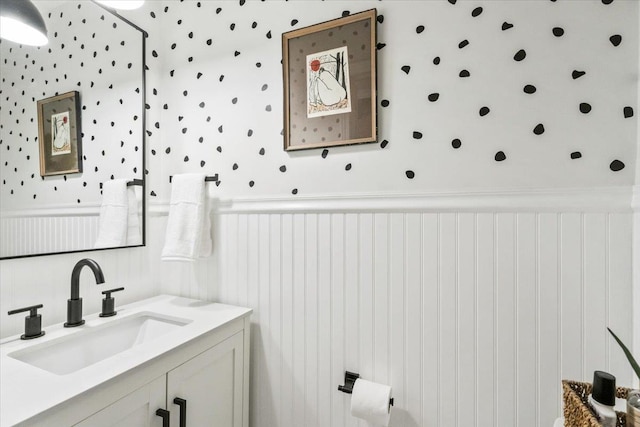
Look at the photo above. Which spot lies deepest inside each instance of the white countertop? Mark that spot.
(26, 391)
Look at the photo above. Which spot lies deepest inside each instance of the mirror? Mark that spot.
(100, 55)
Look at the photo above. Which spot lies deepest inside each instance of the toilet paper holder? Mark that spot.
(349, 381)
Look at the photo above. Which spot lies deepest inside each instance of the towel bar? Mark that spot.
(206, 178)
(131, 183)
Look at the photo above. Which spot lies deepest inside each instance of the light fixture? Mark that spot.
(21, 22)
(121, 4)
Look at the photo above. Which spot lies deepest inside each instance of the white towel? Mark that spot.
(134, 236)
(188, 235)
(114, 211)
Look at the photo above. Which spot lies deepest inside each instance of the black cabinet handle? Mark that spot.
(182, 403)
(164, 414)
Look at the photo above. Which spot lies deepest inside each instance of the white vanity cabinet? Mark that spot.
(211, 385)
(199, 369)
(135, 409)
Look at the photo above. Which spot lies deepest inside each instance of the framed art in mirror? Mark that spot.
(59, 134)
(329, 73)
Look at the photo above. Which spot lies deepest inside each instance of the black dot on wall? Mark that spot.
(283, 168)
(616, 165)
(436, 60)
(235, 166)
(616, 39)
(476, 12)
(585, 107)
(251, 183)
(607, 1)
(417, 135)
(577, 74)
(294, 22)
(419, 29)
(294, 191)
(520, 55)
(506, 26)
(558, 31)
(406, 69)
(325, 152)
(261, 152)
(539, 129)
(347, 167)
(464, 73)
(500, 156)
(384, 143)
(380, 46)
(456, 143)
(202, 163)
(628, 112)
(484, 111)
(410, 174)
(186, 159)
(463, 43)
(168, 150)
(380, 18)
(385, 103)
(576, 155)
(529, 89)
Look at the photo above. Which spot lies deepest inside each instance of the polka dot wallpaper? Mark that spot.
(98, 55)
(471, 95)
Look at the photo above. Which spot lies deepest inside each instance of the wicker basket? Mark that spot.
(577, 412)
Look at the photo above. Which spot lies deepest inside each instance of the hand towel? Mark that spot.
(134, 236)
(188, 234)
(112, 230)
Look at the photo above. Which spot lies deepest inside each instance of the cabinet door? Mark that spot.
(135, 409)
(211, 383)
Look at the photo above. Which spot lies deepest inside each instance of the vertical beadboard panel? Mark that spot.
(486, 369)
(311, 320)
(506, 318)
(548, 270)
(448, 320)
(413, 319)
(430, 320)
(489, 309)
(397, 313)
(572, 303)
(620, 284)
(339, 402)
(325, 376)
(526, 319)
(466, 310)
(595, 295)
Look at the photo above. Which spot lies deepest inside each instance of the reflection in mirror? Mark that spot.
(100, 55)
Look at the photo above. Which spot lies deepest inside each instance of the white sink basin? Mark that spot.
(95, 343)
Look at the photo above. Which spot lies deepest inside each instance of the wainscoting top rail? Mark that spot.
(609, 199)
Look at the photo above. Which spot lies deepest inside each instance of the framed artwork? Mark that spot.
(59, 134)
(329, 73)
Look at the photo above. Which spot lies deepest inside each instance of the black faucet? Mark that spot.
(74, 305)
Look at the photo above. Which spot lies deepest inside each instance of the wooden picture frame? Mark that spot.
(329, 76)
(59, 134)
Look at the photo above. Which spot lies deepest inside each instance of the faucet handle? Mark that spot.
(32, 323)
(108, 303)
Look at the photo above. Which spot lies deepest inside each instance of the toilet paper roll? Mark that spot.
(370, 402)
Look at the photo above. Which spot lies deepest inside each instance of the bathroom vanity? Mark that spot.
(164, 361)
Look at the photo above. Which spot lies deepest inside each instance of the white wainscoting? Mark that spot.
(472, 315)
(51, 230)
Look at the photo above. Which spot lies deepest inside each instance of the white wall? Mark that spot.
(470, 237)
